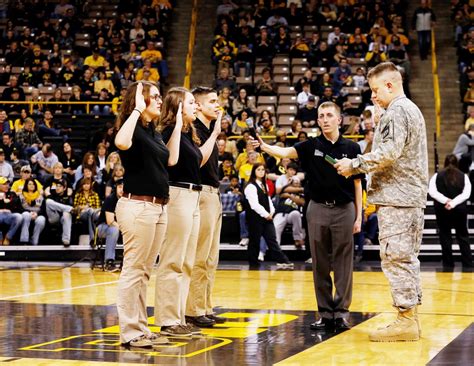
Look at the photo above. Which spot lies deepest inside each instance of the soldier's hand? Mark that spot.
(344, 167)
(378, 112)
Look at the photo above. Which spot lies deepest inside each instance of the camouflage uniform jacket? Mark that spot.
(398, 162)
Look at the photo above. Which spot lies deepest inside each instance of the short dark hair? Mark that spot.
(381, 68)
(48, 147)
(200, 91)
(292, 166)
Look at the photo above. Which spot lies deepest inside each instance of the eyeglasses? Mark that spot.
(156, 97)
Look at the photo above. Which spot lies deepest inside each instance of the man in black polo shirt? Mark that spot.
(199, 310)
(334, 214)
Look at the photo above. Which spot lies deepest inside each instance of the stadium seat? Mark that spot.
(280, 79)
(287, 99)
(242, 80)
(285, 120)
(285, 109)
(267, 100)
(319, 70)
(281, 70)
(351, 90)
(354, 99)
(356, 61)
(286, 90)
(299, 62)
(266, 107)
(298, 70)
(281, 60)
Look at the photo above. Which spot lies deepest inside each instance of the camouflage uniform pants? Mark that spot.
(400, 232)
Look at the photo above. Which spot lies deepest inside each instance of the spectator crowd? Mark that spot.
(60, 52)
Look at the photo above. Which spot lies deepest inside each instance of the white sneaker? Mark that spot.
(309, 261)
(244, 242)
(261, 256)
(285, 265)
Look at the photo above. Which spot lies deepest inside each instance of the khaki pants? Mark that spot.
(177, 257)
(207, 253)
(143, 225)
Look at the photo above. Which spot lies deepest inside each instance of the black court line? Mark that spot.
(460, 352)
(67, 332)
(11, 359)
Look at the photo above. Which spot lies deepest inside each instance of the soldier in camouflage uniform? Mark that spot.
(397, 184)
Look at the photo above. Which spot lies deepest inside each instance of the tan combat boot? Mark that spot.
(417, 320)
(403, 329)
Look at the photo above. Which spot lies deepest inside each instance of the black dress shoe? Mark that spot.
(341, 324)
(322, 324)
(217, 319)
(200, 321)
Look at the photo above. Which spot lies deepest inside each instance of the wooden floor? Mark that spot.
(66, 316)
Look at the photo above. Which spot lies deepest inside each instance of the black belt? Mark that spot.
(331, 203)
(194, 187)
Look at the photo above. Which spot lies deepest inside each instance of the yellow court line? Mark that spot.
(56, 291)
(354, 348)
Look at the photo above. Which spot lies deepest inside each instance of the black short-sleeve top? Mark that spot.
(146, 163)
(187, 170)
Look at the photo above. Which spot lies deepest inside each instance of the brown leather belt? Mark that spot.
(152, 199)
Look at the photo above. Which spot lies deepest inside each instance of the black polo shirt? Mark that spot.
(210, 170)
(146, 164)
(187, 170)
(325, 185)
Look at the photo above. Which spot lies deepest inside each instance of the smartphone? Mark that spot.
(330, 159)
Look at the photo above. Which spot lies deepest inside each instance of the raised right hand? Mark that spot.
(179, 116)
(378, 111)
(139, 98)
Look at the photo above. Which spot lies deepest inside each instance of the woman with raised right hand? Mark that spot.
(179, 249)
(141, 212)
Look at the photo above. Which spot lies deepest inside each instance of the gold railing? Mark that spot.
(192, 38)
(437, 97)
(292, 137)
(31, 104)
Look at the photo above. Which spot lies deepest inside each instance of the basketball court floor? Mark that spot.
(53, 315)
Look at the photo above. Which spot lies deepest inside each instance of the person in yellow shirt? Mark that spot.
(246, 169)
(116, 102)
(395, 33)
(20, 122)
(470, 118)
(103, 83)
(154, 75)
(25, 173)
(95, 60)
(151, 53)
(244, 156)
